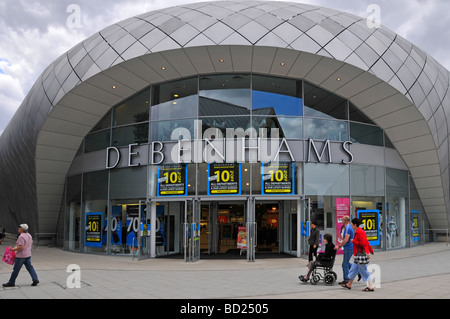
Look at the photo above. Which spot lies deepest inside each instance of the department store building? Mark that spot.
(225, 128)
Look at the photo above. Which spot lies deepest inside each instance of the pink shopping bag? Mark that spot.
(10, 256)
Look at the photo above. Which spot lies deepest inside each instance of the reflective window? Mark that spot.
(321, 103)
(276, 96)
(128, 183)
(177, 108)
(366, 134)
(176, 99)
(104, 123)
(211, 107)
(227, 94)
(357, 116)
(174, 90)
(72, 224)
(289, 127)
(130, 134)
(134, 110)
(323, 179)
(97, 141)
(387, 142)
(367, 180)
(95, 193)
(222, 123)
(325, 129)
(163, 131)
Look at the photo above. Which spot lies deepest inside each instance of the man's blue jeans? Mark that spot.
(346, 263)
(18, 265)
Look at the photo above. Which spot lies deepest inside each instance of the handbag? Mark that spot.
(9, 257)
(361, 257)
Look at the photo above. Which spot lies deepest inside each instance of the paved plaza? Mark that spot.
(419, 272)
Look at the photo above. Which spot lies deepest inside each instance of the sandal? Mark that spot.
(368, 289)
(345, 286)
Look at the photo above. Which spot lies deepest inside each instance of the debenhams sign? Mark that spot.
(238, 146)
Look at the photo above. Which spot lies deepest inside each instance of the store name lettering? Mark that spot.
(238, 146)
(314, 153)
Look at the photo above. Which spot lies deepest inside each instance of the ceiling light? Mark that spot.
(282, 64)
(163, 68)
(221, 60)
(338, 79)
(114, 87)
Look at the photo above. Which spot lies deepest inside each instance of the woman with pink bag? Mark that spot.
(23, 257)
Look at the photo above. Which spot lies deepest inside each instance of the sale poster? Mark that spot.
(242, 237)
(93, 227)
(370, 222)
(277, 178)
(342, 209)
(415, 226)
(224, 179)
(172, 180)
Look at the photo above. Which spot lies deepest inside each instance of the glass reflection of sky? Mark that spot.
(240, 97)
(280, 104)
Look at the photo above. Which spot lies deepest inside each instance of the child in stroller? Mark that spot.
(325, 261)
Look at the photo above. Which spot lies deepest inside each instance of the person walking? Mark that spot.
(23, 257)
(361, 250)
(347, 237)
(313, 241)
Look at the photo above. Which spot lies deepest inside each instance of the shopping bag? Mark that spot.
(10, 256)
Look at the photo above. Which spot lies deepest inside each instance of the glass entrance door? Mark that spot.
(192, 231)
(305, 225)
(267, 219)
(290, 224)
(223, 228)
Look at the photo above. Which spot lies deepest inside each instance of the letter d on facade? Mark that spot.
(108, 155)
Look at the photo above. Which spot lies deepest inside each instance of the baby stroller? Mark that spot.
(324, 270)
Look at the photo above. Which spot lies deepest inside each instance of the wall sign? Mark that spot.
(277, 178)
(224, 179)
(415, 226)
(250, 150)
(172, 180)
(342, 209)
(93, 230)
(370, 222)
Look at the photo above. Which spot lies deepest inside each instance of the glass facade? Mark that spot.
(235, 196)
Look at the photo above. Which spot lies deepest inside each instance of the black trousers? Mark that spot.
(312, 251)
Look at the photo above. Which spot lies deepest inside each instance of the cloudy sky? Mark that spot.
(33, 33)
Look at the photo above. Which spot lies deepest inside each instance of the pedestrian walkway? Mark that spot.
(418, 272)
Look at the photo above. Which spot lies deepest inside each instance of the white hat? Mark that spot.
(24, 227)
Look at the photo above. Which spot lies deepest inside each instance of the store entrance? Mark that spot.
(223, 229)
(267, 217)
